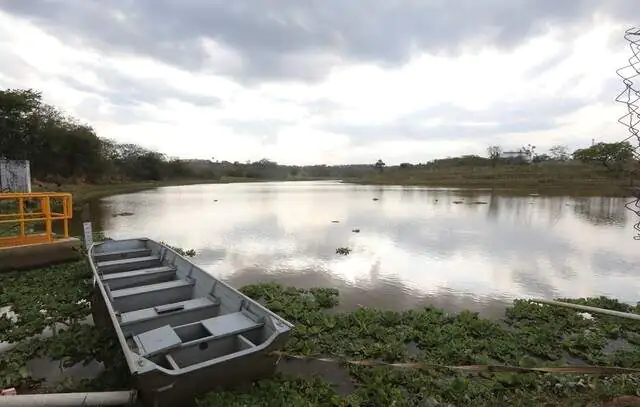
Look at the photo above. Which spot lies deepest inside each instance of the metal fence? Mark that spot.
(22, 213)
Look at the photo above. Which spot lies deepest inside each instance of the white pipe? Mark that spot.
(586, 308)
(107, 398)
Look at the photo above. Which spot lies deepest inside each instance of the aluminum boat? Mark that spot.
(183, 332)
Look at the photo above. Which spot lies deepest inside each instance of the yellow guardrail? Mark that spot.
(20, 213)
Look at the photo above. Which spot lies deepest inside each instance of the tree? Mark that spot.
(19, 121)
(379, 165)
(495, 152)
(611, 155)
(559, 152)
(529, 151)
(541, 158)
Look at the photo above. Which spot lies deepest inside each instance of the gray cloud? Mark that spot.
(256, 126)
(280, 39)
(124, 90)
(15, 67)
(127, 96)
(505, 118)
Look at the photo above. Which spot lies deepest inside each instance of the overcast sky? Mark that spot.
(325, 81)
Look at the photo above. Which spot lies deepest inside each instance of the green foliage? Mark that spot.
(42, 298)
(54, 297)
(534, 336)
(559, 152)
(570, 177)
(280, 391)
(531, 335)
(61, 148)
(494, 153)
(607, 154)
(65, 151)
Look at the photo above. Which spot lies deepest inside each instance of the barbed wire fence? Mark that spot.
(630, 97)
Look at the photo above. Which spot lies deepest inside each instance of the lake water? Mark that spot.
(415, 246)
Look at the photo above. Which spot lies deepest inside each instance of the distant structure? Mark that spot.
(15, 176)
(520, 156)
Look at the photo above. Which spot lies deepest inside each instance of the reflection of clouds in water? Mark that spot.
(524, 246)
(394, 295)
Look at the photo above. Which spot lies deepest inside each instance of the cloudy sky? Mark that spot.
(333, 81)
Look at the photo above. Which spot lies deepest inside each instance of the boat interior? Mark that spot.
(173, 313)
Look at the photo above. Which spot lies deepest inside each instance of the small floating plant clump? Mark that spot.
(115, 215)
(181, 251)
(343, 251)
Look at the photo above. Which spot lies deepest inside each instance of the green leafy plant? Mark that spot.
(530, 335)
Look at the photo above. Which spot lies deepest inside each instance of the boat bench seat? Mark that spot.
(157, 341)
(165, 338)
(122, 265)
(230, 324)
(122, 254)
(178, 313)
(154, 312)
(147, 289)
(152, 295)
(127, 279)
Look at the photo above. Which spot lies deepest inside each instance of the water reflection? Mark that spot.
(416, 245)
(602, 211)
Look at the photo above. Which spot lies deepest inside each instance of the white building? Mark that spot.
(515, 155)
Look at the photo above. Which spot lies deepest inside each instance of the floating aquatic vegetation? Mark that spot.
(52, 298)
(115, 215)
(531, 335)
(180, 251)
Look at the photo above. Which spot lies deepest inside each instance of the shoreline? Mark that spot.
(612, 191)
(86, 192)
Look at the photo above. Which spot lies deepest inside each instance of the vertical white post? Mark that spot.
(88, 235)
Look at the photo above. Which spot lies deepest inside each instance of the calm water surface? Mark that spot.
(415, 246)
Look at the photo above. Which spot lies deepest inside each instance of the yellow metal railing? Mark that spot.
(20, 213)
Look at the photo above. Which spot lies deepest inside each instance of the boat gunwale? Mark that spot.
(135, 361)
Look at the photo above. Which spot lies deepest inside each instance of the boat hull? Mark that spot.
(195, 343)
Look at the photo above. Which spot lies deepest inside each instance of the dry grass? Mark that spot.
(565, 178)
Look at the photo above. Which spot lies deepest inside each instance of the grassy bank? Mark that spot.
(545, 178)
(529, 335)
(84, 192)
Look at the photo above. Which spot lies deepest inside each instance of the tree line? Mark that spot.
(59, 147)
(616, 157)
(62, 149)
(611, 155)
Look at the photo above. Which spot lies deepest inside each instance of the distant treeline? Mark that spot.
(61, 149)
